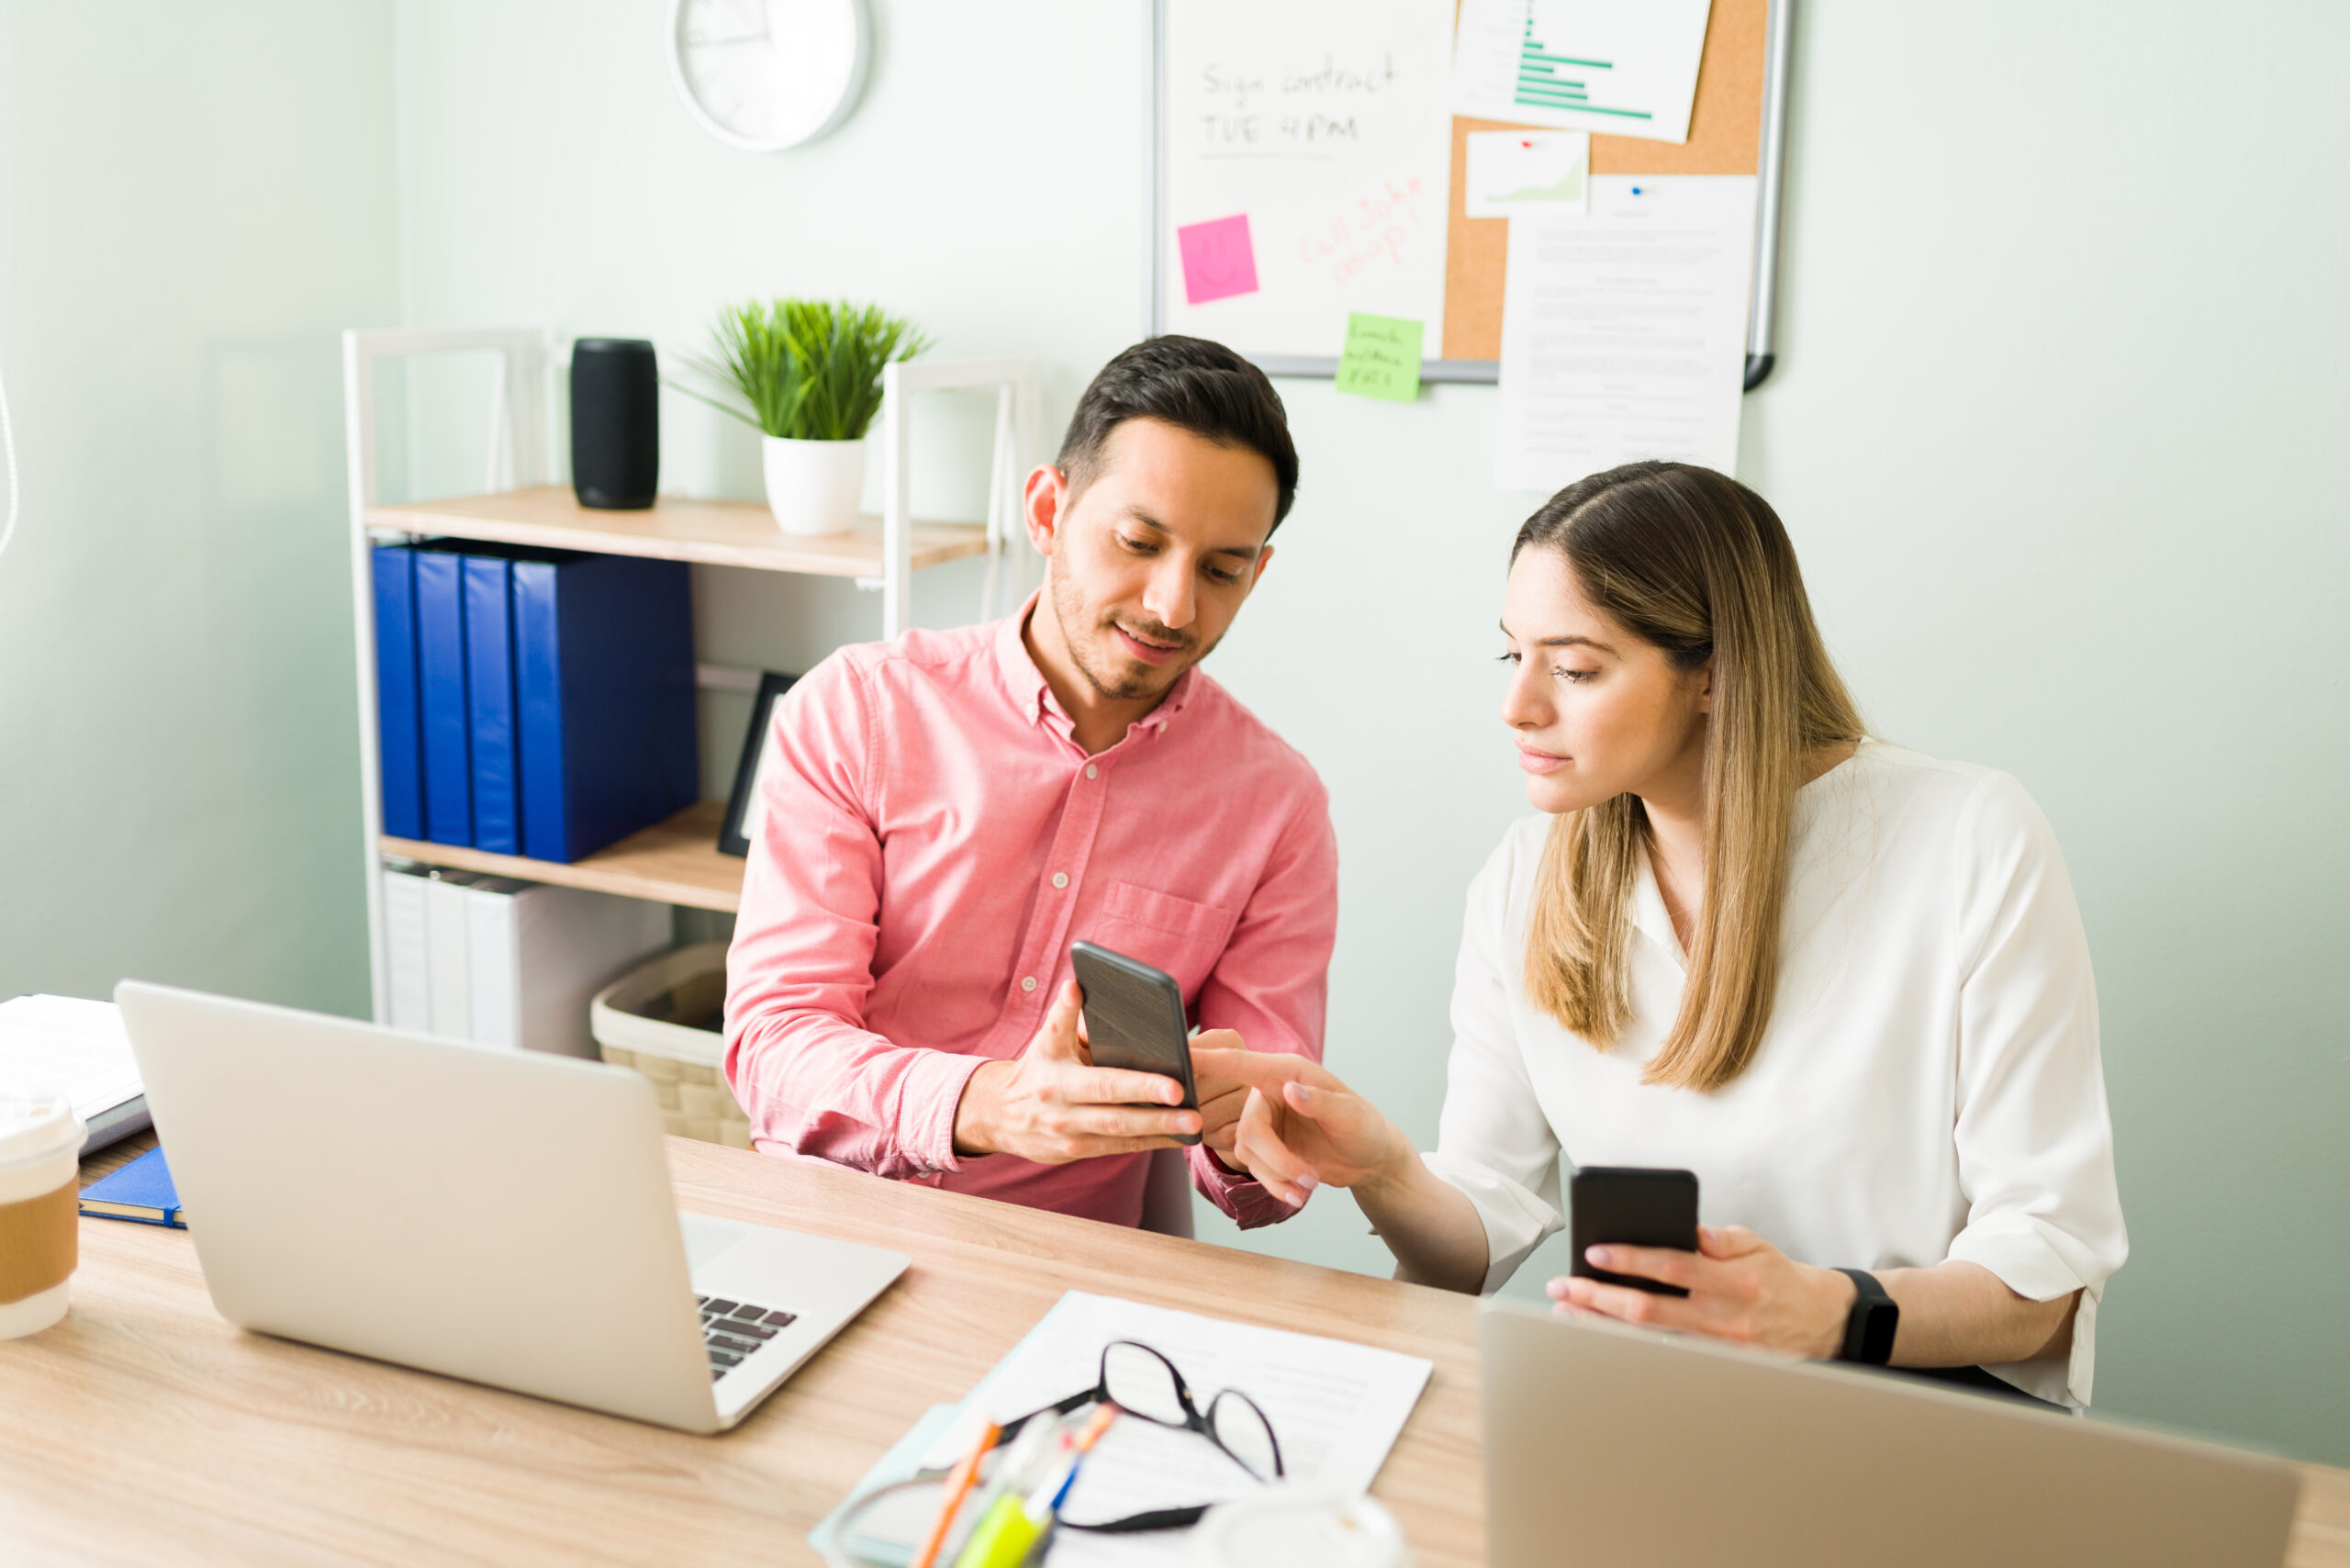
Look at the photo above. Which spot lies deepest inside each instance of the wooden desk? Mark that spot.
(146, 1429)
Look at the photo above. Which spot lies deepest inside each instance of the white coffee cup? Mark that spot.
(40, 1161)
(1294, 1521)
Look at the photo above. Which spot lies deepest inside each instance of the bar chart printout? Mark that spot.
(1620, 67)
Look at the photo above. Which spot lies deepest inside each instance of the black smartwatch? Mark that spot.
(1868, 1327)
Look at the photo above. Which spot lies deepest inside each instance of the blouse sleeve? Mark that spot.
(1493, 1143)
(2034, 1139)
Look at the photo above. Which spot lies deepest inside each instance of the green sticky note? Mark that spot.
(1381, 359)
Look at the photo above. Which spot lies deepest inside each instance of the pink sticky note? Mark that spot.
(1218, 261)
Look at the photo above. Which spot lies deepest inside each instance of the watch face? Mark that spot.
(765, 74)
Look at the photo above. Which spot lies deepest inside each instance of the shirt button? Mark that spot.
(1090, 770)
(1027, 982)
(1060, 878)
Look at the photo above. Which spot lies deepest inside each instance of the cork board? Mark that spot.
(1725, 136)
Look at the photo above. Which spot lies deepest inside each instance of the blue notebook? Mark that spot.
(490, 704)
(604, 699)
(140, 1190)
(441, 697)
(400, 738)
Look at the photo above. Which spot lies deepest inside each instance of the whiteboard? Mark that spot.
(1326, 127)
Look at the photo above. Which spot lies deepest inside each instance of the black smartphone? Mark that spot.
(1134, 1018)
(1632, 1205)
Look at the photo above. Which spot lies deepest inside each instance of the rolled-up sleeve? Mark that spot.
(812, 1079)
(2034, 1139)
(1273, 982)
(1494, 1143)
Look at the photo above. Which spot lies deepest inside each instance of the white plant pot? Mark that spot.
(813, 485)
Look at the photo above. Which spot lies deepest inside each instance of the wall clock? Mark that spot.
(767, 74)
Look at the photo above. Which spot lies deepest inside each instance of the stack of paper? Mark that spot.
(78, 1049)
(1336, 1409)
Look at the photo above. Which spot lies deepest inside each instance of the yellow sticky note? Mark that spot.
(1381, 358)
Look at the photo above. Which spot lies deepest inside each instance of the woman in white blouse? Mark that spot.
(1844, 983)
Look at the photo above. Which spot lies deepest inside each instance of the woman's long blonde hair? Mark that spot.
(1697, 563)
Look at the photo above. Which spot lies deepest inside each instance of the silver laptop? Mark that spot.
(1608, 1446)
(504, 1217)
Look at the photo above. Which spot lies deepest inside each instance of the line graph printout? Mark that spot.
(1619, 67)
(1325, 123)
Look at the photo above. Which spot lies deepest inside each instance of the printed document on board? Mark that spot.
(1617, 67)
(1624, 330)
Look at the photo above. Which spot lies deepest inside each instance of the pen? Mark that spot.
(1044, 1502)
(958, 1486)
(1001, 1539)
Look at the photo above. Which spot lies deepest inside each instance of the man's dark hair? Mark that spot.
(1193, 384)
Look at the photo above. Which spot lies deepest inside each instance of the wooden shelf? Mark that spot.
(719, 533)
(675, 861)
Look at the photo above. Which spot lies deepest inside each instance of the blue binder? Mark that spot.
(440, 691)
(604, 699)
(490, 704)
(399, 741)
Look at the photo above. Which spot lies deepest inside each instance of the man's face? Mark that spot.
(1151, 561)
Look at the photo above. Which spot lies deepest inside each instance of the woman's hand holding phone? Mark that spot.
(1740, 1288)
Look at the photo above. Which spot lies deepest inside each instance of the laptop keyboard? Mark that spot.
(732, 1329)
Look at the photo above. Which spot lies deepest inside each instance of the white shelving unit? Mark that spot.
(675, 861)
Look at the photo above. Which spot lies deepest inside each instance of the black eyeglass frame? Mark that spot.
(1193, 1421)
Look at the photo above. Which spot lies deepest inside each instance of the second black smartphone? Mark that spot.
(1134, 1018)
(1632, 1205)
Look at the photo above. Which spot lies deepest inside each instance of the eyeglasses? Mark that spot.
(1145, 1385)
(1142, 1383)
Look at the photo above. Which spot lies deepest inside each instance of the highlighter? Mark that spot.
(1001, 1537)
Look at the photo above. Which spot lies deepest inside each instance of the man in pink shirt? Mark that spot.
(947, 812)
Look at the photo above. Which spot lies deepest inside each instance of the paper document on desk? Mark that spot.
(1335, 1409)
(77, 1049)
(1624, 331)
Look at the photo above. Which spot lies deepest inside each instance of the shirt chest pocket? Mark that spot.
(1176, 935)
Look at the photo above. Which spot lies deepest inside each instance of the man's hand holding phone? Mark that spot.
(1051, 1105)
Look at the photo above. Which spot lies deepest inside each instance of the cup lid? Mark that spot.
(35, 1123)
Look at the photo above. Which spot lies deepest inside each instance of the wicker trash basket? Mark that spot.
(663, 1018)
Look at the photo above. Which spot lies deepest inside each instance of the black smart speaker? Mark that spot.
(615, 423)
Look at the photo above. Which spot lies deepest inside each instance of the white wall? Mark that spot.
(2060, 382)
(194, 200)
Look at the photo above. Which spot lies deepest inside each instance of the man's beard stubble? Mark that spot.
(1069, 611)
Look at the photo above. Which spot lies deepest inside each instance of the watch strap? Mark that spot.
(1869, 1328)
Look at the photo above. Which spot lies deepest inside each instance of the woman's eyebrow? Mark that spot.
(1565, 640)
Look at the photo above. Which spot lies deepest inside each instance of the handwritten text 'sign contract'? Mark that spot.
(1323, 123)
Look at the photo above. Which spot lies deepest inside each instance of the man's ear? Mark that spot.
(1046, 500)
(1257, 574)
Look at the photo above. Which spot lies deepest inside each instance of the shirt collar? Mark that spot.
(1649, 916)
(1033, 699)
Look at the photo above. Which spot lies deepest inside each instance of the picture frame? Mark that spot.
(742, 806)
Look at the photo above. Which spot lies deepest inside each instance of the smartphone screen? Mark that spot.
(1134, 1018)
(1632, 1205)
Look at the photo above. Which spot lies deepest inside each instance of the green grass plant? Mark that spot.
(805, 369)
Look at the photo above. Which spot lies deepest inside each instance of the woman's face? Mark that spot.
(1596, 710)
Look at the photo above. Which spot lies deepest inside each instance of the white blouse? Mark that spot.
(1928, 1088)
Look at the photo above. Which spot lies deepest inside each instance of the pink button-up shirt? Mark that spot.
(934, 841)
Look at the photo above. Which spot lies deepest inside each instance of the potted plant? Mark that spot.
(807, 375)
